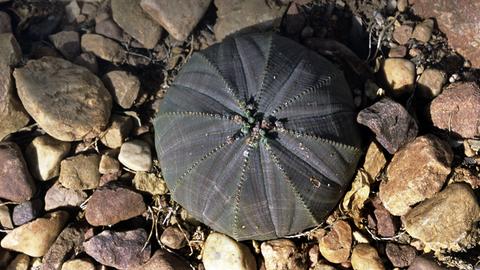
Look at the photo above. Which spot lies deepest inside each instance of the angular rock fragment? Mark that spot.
(80, 172)
(44, 155)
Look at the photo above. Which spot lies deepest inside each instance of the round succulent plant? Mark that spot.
(257, 138)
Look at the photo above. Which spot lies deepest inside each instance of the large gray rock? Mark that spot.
(132, 19)
(16, 184)
(68, 101)
(44, 155)
(13, 116)
(177, 17)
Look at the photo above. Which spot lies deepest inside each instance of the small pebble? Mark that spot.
(365, 257)
(402, 5)
(423, 31)
(78, 264)
(27, 211)
(151, 183)
(59, 196)
(136, 155)
(431, 83)
(174, 238)
(103, 47)
(117, 132)
(399, 74)
(402, 33)
(80, 172)
(5, 218)
(21, 262)
(123, 86)
(397, 52)
(108, 165)
(222, 252)
(336, 245)
(282, 254)
(67, 42)
(400, 255)
(44, 155)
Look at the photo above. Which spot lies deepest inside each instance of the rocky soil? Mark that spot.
(80, 82)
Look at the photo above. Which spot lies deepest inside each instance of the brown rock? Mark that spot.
(27, 211)
(112, 204)
(402, 5)
(174, 238)
(336, 245)
(122, 250)
(365, 257)
(150, 182)
(458, 20)
(69, 111)
(179, 17)
(457, 110)
(21, 262)
(44, 155)
(5, 23)
(124, 87)
(399, 74)
(236, 15)
(423, 31)
(16, 184)
(422, 263)
(13, 116)
(163, 260)
(5, 218)
(68, 242)
(281, 254)
(222, 252)
(397, 52)
(386, 226)
(431, 82)
(392, 124)
(59, 196)
(132, 19)
(375, 160)
(78, 264)
(416, 173)
(117, 132)
(36, 237)
(402, 33)
(87, 60)
(10, 52)
(67, 42)
(103, 47)
(400, 255)
(80, 172)
(109, 29)
(445, 220)
(109, 165)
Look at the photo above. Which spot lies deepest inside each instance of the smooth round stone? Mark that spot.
(222, 252)
(136, 155)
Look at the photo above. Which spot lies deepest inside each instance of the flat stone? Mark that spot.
(136, 155)
(123, 86)
(457, 110)
(431, 83)
(163, 260)
(400, 255)
(21, 262)
(393, 126)
(67, 42)
(87, 60)
(179, 17)
(402, 33)
(423, 31)
(68, 242)
(111, 204)
(103, 47)
(72, 111)
(365, 257)
(59, 196)
(422, 263)
(109, 165)
(36, 237)
(445, 220)
(80, 172)
(458, 20)
(236, 15)
(78, 264)
(122, 250)
(27, 211)
(44, 155)
(108, 28)
(129, 15)
(5, 23)
(150, 182)
(174, 238)
(415, 173)
(5, 218)
(222, 252)
(10, 52)
(13, 116)
(117, 132)
(282, 254)
(16, 184)
(399, 74)
(336, 245)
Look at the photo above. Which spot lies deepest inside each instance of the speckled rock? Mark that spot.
(68, 242)
(117, 132)
(80, 172)
(222, 252)
(78, 264)
(16, 184)
(151, 183)
(163, 260)
(392, 124)
(282, 254)
(431, 82)
(44, 155)
(136, 155)
(36, 237)
(415, 173)
(67, 42)
(59, 196)
(103, 47)
(132, 19)
(400, 255)
(365, 257)
(179, 17)
(67, 101)
(27, 211)
(13, 116)
(122, 250)
(399, 74)
(336, 245)
(123, 86)
(445, 220)
(174, 238)
(457, 110)
(112, 204)
(10, 52)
